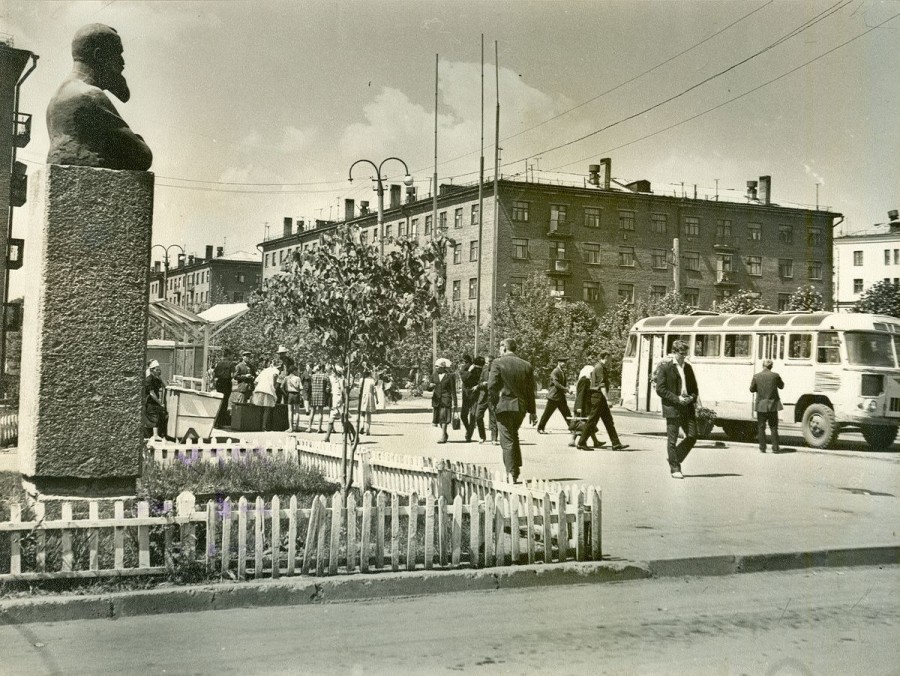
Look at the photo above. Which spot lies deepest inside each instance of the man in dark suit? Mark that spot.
(556, 395)
(511, 389)
(599, 390)
(677, 387)
(766, 384)
(469, 376)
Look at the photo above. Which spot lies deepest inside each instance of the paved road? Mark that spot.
(837, 621)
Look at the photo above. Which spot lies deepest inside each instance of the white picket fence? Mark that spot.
(9, 429)
(329, 538)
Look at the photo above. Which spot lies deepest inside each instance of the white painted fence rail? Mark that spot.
(259, 539)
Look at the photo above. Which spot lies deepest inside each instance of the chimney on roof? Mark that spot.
(410, 194)
(765, 189)
(606, 162)
(180, 260)
(395, 196)
(751, 191)
(349, 209)
(594, 174)
(156, 266)
(363, 207)
(895, 220)
(209, 251)
(220, 251)
(288, 225)
(191, 259)
(300, 224)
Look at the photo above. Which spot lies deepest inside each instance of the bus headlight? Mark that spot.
(871, 406)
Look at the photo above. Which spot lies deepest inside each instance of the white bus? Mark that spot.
(840, 370)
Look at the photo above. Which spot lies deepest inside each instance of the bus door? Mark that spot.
(650, 351)
(771, 346)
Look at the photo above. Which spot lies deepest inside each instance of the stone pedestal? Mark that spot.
(84, 333)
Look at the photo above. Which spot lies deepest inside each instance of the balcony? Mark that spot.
(22, 130)
(726, 243)
(724, 278)
(559, 229)
(560, 266)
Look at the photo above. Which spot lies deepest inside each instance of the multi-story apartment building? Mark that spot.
(865, 257)
(601, 242)
(199, 283)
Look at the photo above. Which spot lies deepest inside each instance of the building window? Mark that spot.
(257, 280)
(785, 268)
(267, 260)
(590, 292)
(402, 229)
(474, 215)
(240, 278)
(520, 248)
(592, 217)
(557, 250)
(558, 213)
(388, 231)
(657, 292)
(896, 256)
(363, 237)
(626, 220)
(516, 286)
(692, 261)
(457, 254)
(456, 289)
(626, 256)
(754, 266)
(814, 236)
(784, 301)
(457, 218)
(442, 221)
(626, 293)
(754, 232)
(723, 229)
(473, 287)
(473, 250)
(857, 258)
(520, 211)
(691, 226)
(659, 259)
(691, 296)
(659, 223)
(786, 234)
(428, 222)
(814, 270)
(557, 287)
(887, 256)
(414, 229)
(591, 253)
(857, 286)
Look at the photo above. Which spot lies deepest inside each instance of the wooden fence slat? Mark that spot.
(351, 533)
(118, 535)
(276, 536)
(184, 506)
(311, 533)
(579, 527)
(412, 531)
(168, 529)
(429, 532)
(548, 531)
(226, 536)
(474, 534)
(259, 529)
(143, 510)
(337, 524)
(596, 522)
(15, 541)
(500, 510)
(442, 532)
(242, 538)
(514, 530)
(489, 517)
(93, 537)
(40, 538)
(379, 531)
(292, 535)
(365, 535)
(320, 541)
(529, 521)
(395, 532)
(562, 528)
(456, 532)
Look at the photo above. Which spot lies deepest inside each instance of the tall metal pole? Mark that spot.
(480, 210)
(676, 272)
(493, 343)
(434, 200)
(380, 190)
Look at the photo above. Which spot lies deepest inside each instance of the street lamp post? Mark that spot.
(407, 181)
(166, 263)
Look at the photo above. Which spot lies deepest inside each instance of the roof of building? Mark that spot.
(223, 311)
(876, 230)
(240, 256)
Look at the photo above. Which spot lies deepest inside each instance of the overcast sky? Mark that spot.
(256, 110)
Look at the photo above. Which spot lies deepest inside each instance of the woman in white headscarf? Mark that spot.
(583, 406)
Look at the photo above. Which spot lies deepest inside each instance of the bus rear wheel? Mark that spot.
(739, 431)
(879, 437)
(820, 429)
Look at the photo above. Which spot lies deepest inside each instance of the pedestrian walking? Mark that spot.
(319, 396)
(265, 393)
(484, 404)
(338, 395)
(156, 417)
(677, 387)
(766, 384)
(556, 395)
(443, 396)
(470, 375)
(583, 407)
(369, 401)
(599, 391)
(293, 388)
(511, 388)
(222, 383)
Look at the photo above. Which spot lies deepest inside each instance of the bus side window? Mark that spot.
(706, 345)
(799, 346)
(631, 348)
(671, 338)
(828, 351)
(780, 347)
(737, 345)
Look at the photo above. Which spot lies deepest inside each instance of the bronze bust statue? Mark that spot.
(85, 127)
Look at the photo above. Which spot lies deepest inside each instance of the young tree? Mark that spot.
(354, 304)
(882, 298)
(806, 297)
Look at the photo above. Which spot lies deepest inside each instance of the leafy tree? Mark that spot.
(741, 303)
(806, 297)
(355, 305)
(882, 298)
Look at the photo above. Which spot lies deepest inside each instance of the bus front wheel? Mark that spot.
(820, 429)
(879, 437)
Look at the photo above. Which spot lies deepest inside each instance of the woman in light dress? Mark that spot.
(370, 401)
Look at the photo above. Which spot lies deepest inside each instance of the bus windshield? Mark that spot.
(872, 349)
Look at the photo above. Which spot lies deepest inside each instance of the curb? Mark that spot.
(306, 591)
